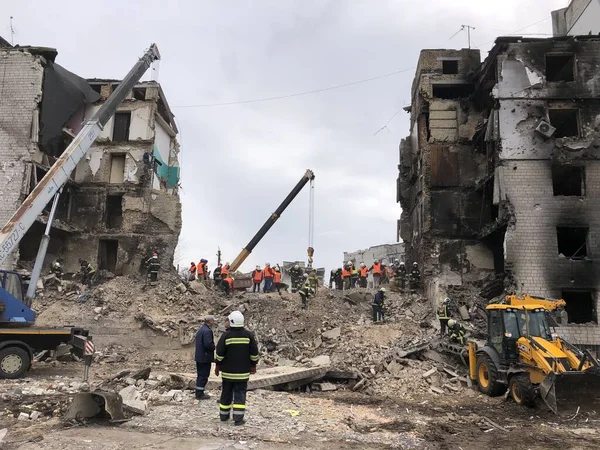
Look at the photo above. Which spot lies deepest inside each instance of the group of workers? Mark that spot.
(449, 326)
(349, 276)
(270, 277)
(235, 357)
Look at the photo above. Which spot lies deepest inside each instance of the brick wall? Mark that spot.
(531, 246)
(21, 76)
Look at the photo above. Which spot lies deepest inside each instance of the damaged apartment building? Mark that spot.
(121, 203)
(500, 177)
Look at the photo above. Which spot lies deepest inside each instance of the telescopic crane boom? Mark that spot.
(14, 230)
(239, 260)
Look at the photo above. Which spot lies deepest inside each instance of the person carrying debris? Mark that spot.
(378, 305)
(205, 355)
(192, 271)
(227, 284)
(57, 269)
(296, 276)
(87, 272)
(415, 275)
(457, 331)
(153, 265)
(268, 274)
(377, 270)
(443, 313)
(306, 292)
(346, 276)
(364, 273)
(236, 359)
(401, 275)
(257, 277)
(277, 279)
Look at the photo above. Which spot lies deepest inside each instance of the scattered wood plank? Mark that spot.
(430, 372)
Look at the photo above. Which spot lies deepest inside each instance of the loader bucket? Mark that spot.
(565, 392)
(98, 404)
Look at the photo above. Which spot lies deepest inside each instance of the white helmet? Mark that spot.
(376, 261)
(257, 267)
(402, 263)
(236, 319)
(362, 264)
(396, 261)
(415, 263)
(382, 289)
(267, 264)
(296, 267)
(451, 322)
(226, 263)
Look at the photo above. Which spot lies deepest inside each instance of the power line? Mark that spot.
(516, 31)
(298, 94)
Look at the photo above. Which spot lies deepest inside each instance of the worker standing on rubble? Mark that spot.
(444, 315)
(332, 279)
(277, 278)
(87, 272)
(296, 276)
(257, 277)
(346, 276)
(378, 301)
(401, 275)
(205, 355)
(338, 279)
(354, 277)
(153, 265)
(415, 276)
(192, 271)
(457, 331)
(268, 274)
(202, 270)
(225, 270)
(227, 284)
(306, 292)
(217, 277)
(237, 356)
(57, 269)
(313, 280)
(364, 273)
(376, 269)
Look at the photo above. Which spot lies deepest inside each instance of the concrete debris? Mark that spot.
(321, 360)
(437, 390)
(325, 387)
(142, 374)
(35, 415)
(132, 400)
(23, 416)
(430, 372)
(334, 333)
(3, 433)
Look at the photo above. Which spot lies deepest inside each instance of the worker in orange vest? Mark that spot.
(377, 272)
(277, 278)
(257, 277)
(346, 276)
(192, 271)
(364, 273)
(268, 274)
(202, 269)
(227, 284)
(225, 270)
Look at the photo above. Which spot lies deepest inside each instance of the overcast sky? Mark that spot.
(240, 161)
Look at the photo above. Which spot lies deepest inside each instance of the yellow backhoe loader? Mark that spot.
(523, 355)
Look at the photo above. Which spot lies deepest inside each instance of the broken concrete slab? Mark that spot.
(321, 360)
(341, 375)
(325, 387)
(434, 356)
(437, 390)
(334, 333)
(142, 374)
(450, 372)
(35, 415)
(360, 385)
(464, 313)
(23, 416)
(131, 400)
(394, 368)
(3, 433)
(412, 350)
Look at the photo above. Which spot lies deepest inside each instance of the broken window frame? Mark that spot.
(121, 136)
(593, 312)
(582, 251)
(554, 78)
(560, 126)
(113, 221)
(113, 156)
(442, 90)
(565, 191)
(451, 65)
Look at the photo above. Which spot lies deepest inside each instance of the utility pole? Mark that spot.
(218, 255)
(12, 32)
(469, 28)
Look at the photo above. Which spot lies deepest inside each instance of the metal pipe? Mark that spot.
(41, 255)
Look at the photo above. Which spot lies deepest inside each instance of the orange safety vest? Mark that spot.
(230, 281)
(268, 272)
(225, 270)
(364, 271)
(277, 277)
(257, 276)
(377, 269)
(346, 273)
(201, 268)
(193, 269)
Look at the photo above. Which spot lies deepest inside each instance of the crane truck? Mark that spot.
(20, 339)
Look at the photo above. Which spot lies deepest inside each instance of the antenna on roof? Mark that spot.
(462, 28)
(12, 32)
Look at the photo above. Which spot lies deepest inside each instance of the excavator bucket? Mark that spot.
(97, 404)
(565, 392)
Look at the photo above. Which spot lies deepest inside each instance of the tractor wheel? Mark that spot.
(487, 377)
(14, 362)
(521, 390)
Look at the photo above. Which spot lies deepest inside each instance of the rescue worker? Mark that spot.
(313, 280)
(415, 275)
(354, 277)
(57, 269)
(225, 270)
(378, 305)
(227, 284)
(338, 279)
(192, 271)
(217, 277)
(332, 279)
(257, 277)
(268, 274)
(237, 356)
(376, 269)
(205, 355)
(277, 279)
(456, 331)
(444, 315)
(401, 275)
(87, 272)
(296, 276)
(364, 273)
(306, 292)
(346, 275)
(385, 274)
(203, 270)
(153, 265)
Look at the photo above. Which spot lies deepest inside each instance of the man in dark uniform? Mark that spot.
(205, 355)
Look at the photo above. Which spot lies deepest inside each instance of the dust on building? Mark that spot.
(499, 180)
(121, 203)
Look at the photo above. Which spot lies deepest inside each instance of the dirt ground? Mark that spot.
(397, 406)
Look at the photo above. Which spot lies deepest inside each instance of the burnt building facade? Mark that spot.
(121, 203)
(522, 205)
